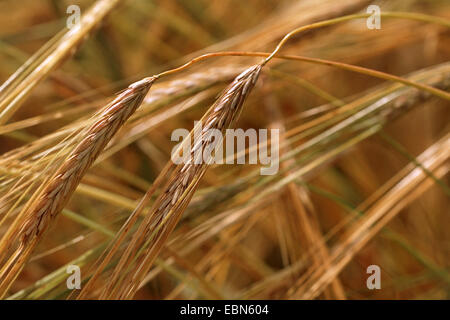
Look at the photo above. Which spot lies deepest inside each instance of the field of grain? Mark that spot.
(93, 205)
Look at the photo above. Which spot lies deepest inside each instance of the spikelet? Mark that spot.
(224, 112)
(59, 189)
(56, 193)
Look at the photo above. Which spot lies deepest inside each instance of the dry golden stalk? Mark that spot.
(405, 187)
(20, 84)
(56, 193)
(312, 234)
(175, 195)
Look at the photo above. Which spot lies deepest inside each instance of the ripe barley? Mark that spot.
(66, 179)
(176, 193)
(222, 115)
(56, 193)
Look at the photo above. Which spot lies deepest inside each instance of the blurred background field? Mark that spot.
(364, 173)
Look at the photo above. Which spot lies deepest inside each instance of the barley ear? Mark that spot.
(57, 192)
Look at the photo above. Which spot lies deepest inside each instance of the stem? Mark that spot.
(374, 73)
(401, 15)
